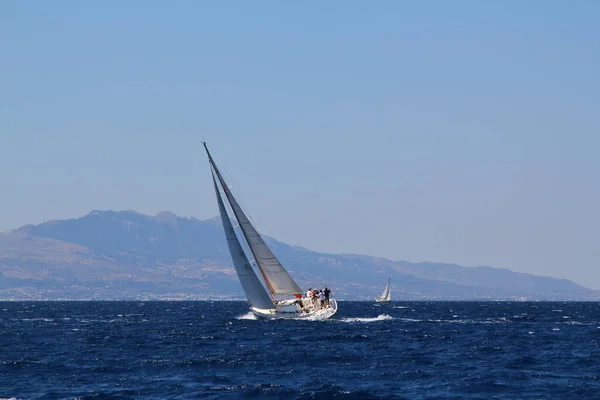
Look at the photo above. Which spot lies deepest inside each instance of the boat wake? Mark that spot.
(317, 317)
(248, 316)
(381, 317)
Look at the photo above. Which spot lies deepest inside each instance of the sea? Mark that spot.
(368, 350)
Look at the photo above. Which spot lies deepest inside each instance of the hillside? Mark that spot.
(127, 255)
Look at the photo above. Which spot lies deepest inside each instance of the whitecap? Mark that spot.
(381, 317)
(36, 319)
(248, 316)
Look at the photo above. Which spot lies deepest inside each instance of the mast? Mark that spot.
(274, 274)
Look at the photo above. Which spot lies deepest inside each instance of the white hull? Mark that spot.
(380, 300)
(288, 312)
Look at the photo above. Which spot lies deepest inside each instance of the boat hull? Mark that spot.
(320, 314)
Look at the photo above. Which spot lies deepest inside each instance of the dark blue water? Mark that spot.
(215, 350)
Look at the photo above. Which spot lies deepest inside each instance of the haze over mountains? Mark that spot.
(127, 255)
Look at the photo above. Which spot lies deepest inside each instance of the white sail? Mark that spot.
(255, 292)
(386, 294)
(275, 276)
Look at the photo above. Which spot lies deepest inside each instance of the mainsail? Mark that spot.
(255, 292)
(275, 276)
(386, 296)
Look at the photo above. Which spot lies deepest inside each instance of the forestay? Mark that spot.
(275, 276)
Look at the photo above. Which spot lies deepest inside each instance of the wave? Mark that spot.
(248, 316)
(411, 320)
(500, 320)
(380, 317)
(36, 319)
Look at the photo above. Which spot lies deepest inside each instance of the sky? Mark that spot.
(465, 132)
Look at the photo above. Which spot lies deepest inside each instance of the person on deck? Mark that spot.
(321, 299)
(315, 297)
(326, 292)
(309, 296)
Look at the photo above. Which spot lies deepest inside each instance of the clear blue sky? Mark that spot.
(453, 131)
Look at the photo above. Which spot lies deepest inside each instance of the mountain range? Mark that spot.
(120, 255)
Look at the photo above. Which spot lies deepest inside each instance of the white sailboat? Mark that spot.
(291, 302)
(385, 295)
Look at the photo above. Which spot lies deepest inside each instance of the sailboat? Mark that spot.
(385, 295)
(282, 297)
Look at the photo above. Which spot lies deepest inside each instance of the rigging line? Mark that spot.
(237, 192)
(242, 200)
(235, 189)
(245, 234)
(265, 229)
(237, 232)
(240, 236)
(229, 210)
(236, 195)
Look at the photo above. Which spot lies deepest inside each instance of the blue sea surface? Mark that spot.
(217, 350)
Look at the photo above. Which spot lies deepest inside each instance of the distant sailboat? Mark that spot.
(386, 295)
(275, 277)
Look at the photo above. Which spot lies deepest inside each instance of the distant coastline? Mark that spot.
(128, 256)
